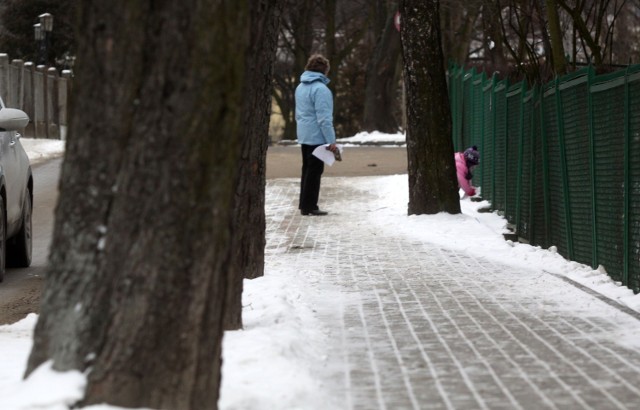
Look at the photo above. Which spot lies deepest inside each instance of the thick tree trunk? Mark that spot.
(135, 288)
(433, 186)
(247, 259)
(381, 88)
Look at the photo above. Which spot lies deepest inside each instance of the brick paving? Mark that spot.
(423, 327)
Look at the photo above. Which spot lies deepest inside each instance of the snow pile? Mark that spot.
(374, 138)
(45, 388)
(39, 150)
(276, 354)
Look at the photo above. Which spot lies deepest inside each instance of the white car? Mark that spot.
(16, 192)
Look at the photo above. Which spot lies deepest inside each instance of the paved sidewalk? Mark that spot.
(423, 327)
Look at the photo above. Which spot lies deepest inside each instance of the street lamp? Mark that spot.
(42, 32)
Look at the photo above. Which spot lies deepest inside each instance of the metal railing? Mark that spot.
(558, 160)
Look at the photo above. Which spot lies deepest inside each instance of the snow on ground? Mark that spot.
(267, 365)
(375, 137)
(40, 150)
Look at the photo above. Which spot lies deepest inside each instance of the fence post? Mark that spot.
(520, 155)
(17, 89)
(5, 78)
(64, 86)
(29, 99)
(545, 171)
(592, 160)
(563, 164)
(51, 104)
(482, 104)
(469, 113)
(39, 98)
(627, 182)
(532, 148)
(459, 107)
(493, 138)
(454, 104)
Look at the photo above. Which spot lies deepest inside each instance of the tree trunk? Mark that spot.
(296, 42)
(555, 34)
(433, 186)
(331, 51)
(585, 34)
(284, 98)
(136, 283)
(493, 39)
(247, 258)
(458, 23)
(381, 88)
(337, 54)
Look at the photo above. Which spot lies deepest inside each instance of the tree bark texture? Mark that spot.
(137, 276)
(247, 258)
(381, 87)
(555, 34)
(433, 185)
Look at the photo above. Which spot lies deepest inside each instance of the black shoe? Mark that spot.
(315, 212)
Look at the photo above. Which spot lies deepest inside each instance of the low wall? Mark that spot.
(41, 92)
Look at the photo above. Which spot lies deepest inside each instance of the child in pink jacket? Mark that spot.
(465, 162)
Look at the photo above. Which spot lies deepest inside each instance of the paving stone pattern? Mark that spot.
(423, 327)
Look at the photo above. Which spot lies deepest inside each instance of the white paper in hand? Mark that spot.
(325, 155)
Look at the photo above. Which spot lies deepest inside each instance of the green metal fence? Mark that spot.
(560, 160)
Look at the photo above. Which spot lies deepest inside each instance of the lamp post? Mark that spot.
(42, 32)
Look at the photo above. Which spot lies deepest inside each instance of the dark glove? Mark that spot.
(469, 176)
(336, 151)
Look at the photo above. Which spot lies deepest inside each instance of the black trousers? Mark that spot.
(312, 169)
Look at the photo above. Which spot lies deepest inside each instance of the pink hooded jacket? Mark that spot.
(462, 170)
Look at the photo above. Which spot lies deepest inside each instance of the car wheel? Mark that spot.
(19, 247)
(3, 239)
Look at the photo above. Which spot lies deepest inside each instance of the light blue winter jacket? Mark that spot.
(314, 110)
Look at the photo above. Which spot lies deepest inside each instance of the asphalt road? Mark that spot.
(286, 162)
(21, 289)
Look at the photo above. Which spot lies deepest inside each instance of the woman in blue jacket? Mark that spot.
(314, 119)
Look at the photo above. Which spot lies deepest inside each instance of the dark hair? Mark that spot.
(317, 63)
